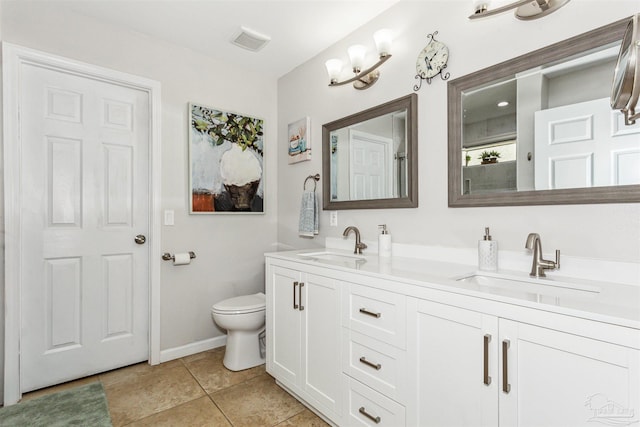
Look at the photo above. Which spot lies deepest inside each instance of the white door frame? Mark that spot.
(13, 57)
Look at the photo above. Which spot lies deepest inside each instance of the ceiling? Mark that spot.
(299, 29)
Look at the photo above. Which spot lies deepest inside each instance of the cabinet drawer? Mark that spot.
(375, 364)
(378, 314)
(366, 407)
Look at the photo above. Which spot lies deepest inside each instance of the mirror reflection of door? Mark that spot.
(370, 166)
(369, 159)
(583, 145)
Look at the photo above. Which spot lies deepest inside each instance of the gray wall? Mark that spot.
(473, 45)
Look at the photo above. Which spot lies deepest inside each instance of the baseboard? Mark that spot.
(192, 348)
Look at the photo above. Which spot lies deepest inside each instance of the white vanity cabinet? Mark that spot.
(477, 369)
(374, 356)
(303, 336)
(367, 347)
(561, 379)
(453, 358)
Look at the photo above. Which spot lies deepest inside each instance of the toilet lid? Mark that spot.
(245, 303)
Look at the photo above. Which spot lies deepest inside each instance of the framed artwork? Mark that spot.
(299, 142)
(226, 165)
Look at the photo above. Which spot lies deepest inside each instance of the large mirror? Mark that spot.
(370, 159)
(539, 129)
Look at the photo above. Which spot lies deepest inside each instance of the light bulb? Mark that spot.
(383, 39)
(334, 67)
(480, 6)
(356, 55)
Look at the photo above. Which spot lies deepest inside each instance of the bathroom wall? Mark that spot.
(610, 231)
(229, 248)
(2, 240)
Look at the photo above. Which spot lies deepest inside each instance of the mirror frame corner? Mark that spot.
(563, 49)
(408, 102)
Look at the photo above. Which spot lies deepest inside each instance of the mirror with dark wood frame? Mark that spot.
(370, 159)
(554, 139)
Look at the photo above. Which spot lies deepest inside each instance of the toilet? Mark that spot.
(243, 317)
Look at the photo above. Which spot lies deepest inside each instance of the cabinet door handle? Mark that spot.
(486, 378)
(368, 415)
(375, 366)
(300, 297)
(506, 387)
(370, 313)
(295, 285)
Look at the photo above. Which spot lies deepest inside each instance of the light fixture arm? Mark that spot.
(485, 12)
(525, 10)
(365, 78)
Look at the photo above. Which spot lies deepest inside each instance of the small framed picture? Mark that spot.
(299, 142)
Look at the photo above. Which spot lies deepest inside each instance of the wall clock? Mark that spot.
(432, 60)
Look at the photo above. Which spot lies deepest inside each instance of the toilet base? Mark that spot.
(243, 350)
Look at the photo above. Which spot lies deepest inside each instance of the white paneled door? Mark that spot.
(370, 166)
(85, 198)
(585, 145)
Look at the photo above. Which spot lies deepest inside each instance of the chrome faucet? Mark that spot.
(359, 245)
(540, 264)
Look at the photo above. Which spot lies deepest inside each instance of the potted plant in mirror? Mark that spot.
(489, 157)
(467, 159)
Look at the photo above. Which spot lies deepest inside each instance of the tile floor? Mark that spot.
(196, 390)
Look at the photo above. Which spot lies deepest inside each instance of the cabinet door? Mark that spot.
(560, 379)
(321, 342)
(283, 325)
(455, 366)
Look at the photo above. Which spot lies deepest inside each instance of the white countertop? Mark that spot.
(603, 301)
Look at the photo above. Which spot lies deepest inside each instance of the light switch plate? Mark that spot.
(169, 217)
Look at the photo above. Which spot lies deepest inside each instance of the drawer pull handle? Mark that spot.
(295, 285)
(486, 377)
(300, 296)
(368, 415)
(375, 366)
(506, 387)
(370, 313)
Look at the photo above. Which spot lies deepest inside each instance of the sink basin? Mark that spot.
(339, 259)
(534, 286)
(333, 256)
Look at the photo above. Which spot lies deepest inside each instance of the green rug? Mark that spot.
(81, 406)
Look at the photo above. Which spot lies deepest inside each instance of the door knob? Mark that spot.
(140, 239)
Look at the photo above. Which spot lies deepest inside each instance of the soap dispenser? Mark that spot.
(487, 253)
(384, 241)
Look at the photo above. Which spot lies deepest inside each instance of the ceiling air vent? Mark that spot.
(250, 40)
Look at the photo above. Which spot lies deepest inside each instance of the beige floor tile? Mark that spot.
(134, 371)
(305, 418)
(208, 369)
(145, 394)
(256, 402)
(60, 387)
(201, 412)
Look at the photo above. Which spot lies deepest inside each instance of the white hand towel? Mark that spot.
(308, 226)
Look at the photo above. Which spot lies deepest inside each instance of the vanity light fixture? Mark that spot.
(362, 79)
(503, 104)
(525, 9)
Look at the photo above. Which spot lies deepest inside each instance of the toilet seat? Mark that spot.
(241, 305)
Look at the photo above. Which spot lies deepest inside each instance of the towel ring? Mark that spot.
(315, 179)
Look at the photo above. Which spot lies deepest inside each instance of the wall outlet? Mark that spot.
(333, 218)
